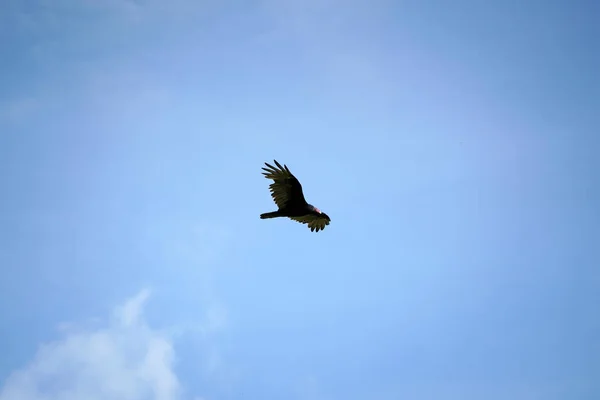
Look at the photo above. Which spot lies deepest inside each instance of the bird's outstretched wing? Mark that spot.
(285, 189)
(315, 222)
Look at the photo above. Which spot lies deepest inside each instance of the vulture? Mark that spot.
(287, 194)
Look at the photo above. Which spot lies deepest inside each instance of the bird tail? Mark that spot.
(273, 214)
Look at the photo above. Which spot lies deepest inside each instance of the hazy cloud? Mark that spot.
(17, 110)
(126, 360)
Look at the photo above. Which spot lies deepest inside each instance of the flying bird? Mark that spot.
(287, 194)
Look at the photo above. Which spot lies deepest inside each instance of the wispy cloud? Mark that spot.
(130, 12)
(127, 359)
(17, 110)
(309, 388)
(340, 39)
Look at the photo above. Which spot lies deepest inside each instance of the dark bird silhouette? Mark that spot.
(287, 194)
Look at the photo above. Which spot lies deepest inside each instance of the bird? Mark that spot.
(286, 191)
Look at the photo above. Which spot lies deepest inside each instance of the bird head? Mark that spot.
(315, 209)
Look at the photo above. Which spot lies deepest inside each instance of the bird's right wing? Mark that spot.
(285, 189)
(315, 222)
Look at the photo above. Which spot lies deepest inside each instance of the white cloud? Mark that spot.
(129, 313)
(127, 360)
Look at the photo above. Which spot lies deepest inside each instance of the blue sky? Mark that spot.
(453, 145)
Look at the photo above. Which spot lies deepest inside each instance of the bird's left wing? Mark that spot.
(285, 189)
